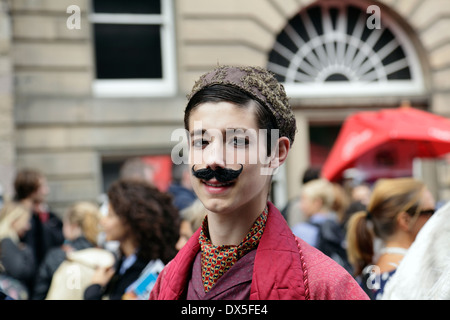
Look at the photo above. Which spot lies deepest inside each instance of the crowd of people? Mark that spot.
(366, 229)
(344, 223)
(44, 256)
(214, 234)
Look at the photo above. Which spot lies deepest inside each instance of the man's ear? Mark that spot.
(280, 153)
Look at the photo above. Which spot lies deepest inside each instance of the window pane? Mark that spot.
(128, 6)
(128, 51)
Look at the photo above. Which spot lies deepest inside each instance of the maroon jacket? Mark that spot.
(285, 268)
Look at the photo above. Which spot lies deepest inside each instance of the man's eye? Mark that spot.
(240, 142)
(199, 143)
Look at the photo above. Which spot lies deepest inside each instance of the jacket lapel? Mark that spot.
(278, 272)
(179, 273)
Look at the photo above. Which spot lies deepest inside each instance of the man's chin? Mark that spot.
(217, 205)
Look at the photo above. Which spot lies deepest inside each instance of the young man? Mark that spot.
(244, 249)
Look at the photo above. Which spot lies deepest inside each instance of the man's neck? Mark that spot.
(231, 228)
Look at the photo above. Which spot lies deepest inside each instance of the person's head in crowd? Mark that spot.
(31, 187)
(354, 207)
(142, 219)
(361, 193)
(14, 221)
(82, 220)
(317, 196)
(397, 210)
(310, 174)
(341, 201)
(137, 168)
(191, 220)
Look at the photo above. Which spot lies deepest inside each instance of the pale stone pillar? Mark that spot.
(7, 146)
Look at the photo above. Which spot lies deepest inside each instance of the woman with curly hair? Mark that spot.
(145, 223)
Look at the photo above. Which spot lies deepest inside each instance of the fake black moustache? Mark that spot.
(221, 174)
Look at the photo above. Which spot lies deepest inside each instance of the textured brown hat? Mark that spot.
(261, 85)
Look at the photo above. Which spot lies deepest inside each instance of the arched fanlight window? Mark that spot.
(328, 49)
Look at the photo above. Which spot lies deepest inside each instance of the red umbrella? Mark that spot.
(423, 134)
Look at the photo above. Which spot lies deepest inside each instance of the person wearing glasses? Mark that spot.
(424, 273)
(379, 238)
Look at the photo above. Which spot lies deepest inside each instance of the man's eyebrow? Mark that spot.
(201, 132)
(198, 132)
(237, 129)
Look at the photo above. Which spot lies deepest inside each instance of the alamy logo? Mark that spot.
(74, 21)
(236, 146)
(373, 281)
(374, 21)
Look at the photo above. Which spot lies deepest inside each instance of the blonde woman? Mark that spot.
(80, 229)
(397, 210)
(16, 258)
(316, 201)
(319, 201)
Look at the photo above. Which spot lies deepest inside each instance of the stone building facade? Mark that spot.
(59, 116)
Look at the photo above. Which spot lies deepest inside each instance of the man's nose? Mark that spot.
(214, 155)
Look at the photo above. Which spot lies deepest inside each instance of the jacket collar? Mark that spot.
(277, 273)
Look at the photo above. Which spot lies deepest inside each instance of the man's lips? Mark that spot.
(216, 184)
(215, 187)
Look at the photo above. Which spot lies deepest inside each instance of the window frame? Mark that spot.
(163, 87)
(413, 87)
